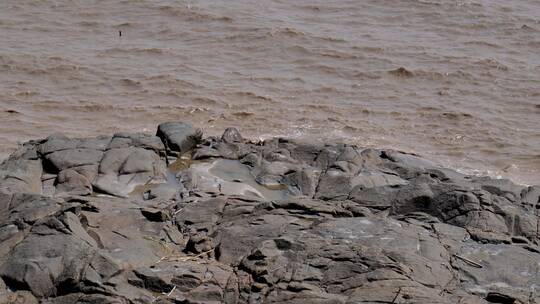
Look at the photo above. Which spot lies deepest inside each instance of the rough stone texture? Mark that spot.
(73, 182)
(278, 221)
(59, 165)
(179, 136)
(123, 169)
(22, 171)
(21, 175)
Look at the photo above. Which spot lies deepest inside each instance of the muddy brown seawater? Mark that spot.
(455, 81)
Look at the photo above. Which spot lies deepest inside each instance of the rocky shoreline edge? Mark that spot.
(179, 218)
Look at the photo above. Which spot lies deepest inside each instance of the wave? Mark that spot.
(189, 13)
(134, 51)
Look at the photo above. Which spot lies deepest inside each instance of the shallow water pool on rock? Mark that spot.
(229, 177)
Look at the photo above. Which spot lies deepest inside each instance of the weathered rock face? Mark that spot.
(104, 220)
(60, 165)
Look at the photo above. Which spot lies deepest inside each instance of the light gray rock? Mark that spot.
(231, 135)
(122, 170)
(138, 140)
(57, 142)
(21, 176)
(66, 159)
(70, 181)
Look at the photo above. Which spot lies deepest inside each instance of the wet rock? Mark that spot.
(228, 177)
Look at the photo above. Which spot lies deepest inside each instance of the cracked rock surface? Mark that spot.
(178, 218)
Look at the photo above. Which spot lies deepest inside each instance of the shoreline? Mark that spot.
(137, 218)
(464, 166)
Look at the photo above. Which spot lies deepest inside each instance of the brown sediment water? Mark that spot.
(454, 81)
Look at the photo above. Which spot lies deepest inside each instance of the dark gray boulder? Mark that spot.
(179, 136)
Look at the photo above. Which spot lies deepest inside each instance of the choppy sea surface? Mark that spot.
(457, 82)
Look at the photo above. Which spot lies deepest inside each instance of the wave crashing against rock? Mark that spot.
(176, 218)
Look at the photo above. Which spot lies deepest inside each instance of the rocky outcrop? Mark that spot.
(105, 220)
(59, 165)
